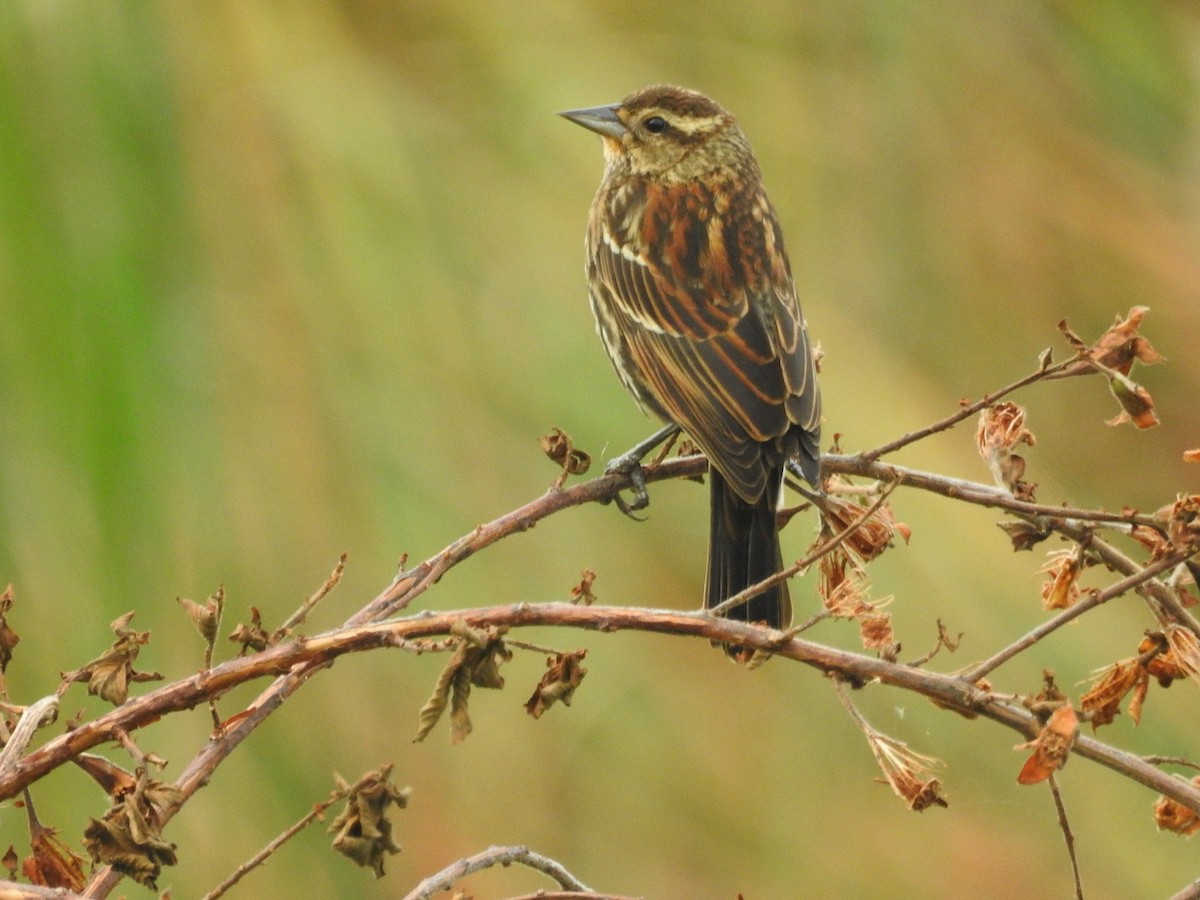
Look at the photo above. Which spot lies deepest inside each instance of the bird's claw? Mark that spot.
(641, 496)
(629, 463)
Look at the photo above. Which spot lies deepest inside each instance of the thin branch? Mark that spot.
(974, 492)
(1156, 760)
(36, 715)
(12, 890)
(1068, 838)
(969, 409)
(280, 839)
(496, 856)
(1091, 601)
(1191, 892)
(310, 604)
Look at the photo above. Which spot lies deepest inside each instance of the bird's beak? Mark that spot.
(601, 119)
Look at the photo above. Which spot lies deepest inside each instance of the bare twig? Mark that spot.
(1156, 760)
(282, 838)
(496, 856)
(308, 605)
(36, 715)
(1068, 838)
(1091, 601)
(970, 409)
(11, 890)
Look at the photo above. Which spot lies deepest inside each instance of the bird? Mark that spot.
(695, 304)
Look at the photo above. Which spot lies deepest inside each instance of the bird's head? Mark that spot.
(666, 133)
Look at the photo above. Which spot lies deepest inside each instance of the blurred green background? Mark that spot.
(279, 280)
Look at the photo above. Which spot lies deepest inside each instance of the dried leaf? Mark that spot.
(872, 536)
(128, 837)
(1103, 702)
(112, 778)
(1151, 539)
(876, 630)
(1138, 699)
(109, 675)
(582, 592)
(53, 863)
(1171, 815)
(1117, 349)
(1051, 747)
(906, 771)
(11, 861)
(1073, 339)
(253, 636)
(1182, 519)
(944, 639)
(1171, 655)
(563, 675)
(363, 831)
(1137, 406)
(476, 661)
(1061, 588)
(8, 638)
(1000, 432)
(206, 618)
(1191, 456)
(1121, 345)
(559, 447)
(1024, 535)
(1049, 698)
(842, 584)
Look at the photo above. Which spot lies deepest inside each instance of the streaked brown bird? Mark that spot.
(693, 297)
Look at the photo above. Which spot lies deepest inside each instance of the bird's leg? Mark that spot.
(814, 494)
(630, 463)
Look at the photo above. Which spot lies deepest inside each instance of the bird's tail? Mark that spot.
(743, 550)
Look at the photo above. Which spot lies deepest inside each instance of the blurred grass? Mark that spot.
(279, 280)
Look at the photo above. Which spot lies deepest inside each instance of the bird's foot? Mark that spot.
(636, 472)
(629, 464)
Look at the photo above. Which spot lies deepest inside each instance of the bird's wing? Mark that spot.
(710, 322)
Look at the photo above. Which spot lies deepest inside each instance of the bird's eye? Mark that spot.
(655, 124)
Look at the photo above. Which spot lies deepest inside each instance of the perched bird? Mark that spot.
(694, 301)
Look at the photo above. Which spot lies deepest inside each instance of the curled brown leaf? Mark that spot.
(362, 831)
(564, 674)
(110, 674)
(1103, 702)
(476, 661)
(1171, 815)
(559, 447)
(1051, 747)
(128, 836)
(582, 592)
(253, 636)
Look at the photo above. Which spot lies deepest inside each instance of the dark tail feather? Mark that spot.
(743, 550)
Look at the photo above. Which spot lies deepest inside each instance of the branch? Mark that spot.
(1129, 582)
(293, 662)
(497, 856)
(290, 832)
(1068, 837)
(305, 654)
(296, 661)
(1044, 371)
